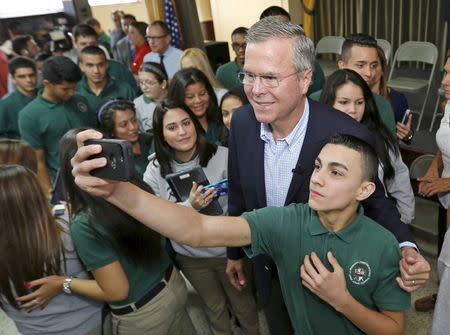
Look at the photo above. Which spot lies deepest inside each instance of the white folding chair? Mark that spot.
(329, 45)
(387, 48)
(420, 166)
(414, 51)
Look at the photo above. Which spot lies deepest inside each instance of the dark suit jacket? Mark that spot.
(246, 175)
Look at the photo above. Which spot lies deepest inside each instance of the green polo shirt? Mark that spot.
(10, 107)
(383, 106)
(96, 249)
(113, 89)
(147, 148)
(104, 39)
(120, 72)
(42, 123)
(227, 74)
(318, 80)
(368, 254)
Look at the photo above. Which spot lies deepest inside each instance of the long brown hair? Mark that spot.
(17, 152)
(30, 237)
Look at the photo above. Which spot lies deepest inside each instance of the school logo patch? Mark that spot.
(82, 107)
(359, 273)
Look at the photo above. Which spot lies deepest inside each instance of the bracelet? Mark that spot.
(66, 285)
(409, 137)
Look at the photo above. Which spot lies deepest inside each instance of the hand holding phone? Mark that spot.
(221, 188)
(405, 118)
(119, 157)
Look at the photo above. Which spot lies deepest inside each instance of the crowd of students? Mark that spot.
(319, 198)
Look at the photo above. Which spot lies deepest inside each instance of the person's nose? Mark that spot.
(258, 87)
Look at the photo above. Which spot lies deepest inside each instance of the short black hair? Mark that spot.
(369, 160)
(128, 16)
(57, 69)
(239, 30)
(92, 50)
(92, 22)
(163, 25)
(359, 39)
(20, 42)
(20, 62)
(274, 11)
(83, 29)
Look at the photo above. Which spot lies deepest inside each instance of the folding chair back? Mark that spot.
(386, 46)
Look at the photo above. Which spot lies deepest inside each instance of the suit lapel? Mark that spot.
(257, 158)
(311, 146)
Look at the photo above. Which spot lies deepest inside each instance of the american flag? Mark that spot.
(172, 22)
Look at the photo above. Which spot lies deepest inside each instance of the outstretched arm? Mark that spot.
(179, 223)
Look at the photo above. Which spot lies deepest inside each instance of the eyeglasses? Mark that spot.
(238, 46)
(155, 37)
(248, 78)
(147, 83)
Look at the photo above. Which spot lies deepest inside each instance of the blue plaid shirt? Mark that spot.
(280, 157)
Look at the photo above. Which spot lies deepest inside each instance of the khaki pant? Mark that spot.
(165, 314)
(208, 277)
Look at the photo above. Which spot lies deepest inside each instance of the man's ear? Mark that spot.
(307, 80)
(366, 189)
(46, 83)
(341, 65)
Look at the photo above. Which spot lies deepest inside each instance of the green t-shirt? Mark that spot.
(10, 107)
(113, 89)
(120, 72)
(227, 75)
(383, 106)
(96, 249)
(368, 253)
(42, 123)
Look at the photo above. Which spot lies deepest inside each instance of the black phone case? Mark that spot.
(119, 155)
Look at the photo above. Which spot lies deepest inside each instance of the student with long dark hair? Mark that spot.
(180, 144)
(347, 91)
(131, 270)
(192, 88)
(117, 119)
(34, 245)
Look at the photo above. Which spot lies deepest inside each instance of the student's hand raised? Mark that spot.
(82, 166)
(328, 286)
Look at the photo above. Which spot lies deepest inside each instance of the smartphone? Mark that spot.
(221, 187)
(406, 116)
(119, 156)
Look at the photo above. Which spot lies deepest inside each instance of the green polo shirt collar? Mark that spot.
(147, 100)
(48, 103)
(346, 234)
(85, 86)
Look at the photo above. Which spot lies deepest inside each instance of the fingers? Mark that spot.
(310, 270)
(235, 274)
(333, 261)
(87, 135)
(317, 263)
(404, 286)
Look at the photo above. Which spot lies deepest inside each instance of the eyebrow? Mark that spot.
(334, 164)
(188, 118)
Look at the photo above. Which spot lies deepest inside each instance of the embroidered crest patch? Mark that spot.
(359, 273)
(82, 107)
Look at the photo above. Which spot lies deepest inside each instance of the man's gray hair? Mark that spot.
(273, 27)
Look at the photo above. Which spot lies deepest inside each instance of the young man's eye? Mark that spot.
(336, 173)
(316, 166)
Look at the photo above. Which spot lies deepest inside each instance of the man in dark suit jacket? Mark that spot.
(276, 77)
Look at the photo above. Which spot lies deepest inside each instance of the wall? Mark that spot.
(144, 10)
(230, 14)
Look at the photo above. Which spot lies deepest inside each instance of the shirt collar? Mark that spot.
(49, 103)
(294, 135)
(346, 234)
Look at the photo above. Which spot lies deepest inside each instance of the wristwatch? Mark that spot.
(66, 285)
(409, 137)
